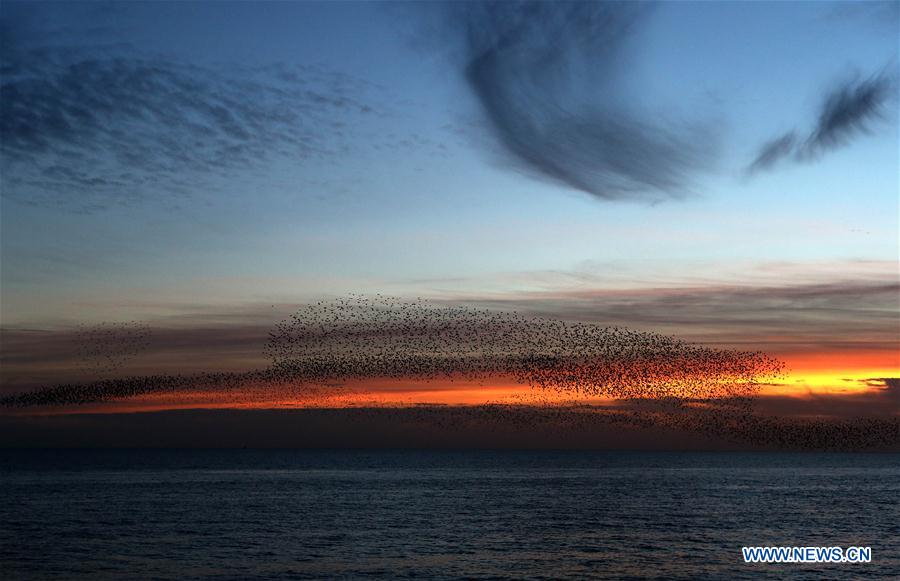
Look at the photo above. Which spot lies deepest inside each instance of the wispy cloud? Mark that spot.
(847, 112)
(548, 76)
(846, 315)
(86, 126)
(774, 151)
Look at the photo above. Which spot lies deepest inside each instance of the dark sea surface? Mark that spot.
(247, 514)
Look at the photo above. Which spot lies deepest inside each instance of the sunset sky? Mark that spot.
(726, 173)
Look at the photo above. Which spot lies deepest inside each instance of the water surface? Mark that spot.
(239, 514)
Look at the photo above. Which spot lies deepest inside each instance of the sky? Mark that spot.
(723, 172)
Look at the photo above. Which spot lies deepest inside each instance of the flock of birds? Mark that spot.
(659, 380)
(108, 346)
(382, 337)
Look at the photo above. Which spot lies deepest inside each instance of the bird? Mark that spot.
(561, 366)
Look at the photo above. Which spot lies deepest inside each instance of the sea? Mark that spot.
(341, 514)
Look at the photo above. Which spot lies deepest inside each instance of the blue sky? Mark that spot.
(405, 188)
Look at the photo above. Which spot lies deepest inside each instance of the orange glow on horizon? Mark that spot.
(834, 371)
(807, 374)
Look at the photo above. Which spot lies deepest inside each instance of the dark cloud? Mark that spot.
(841, 317)
(888, 388)
(774, 151)
(359, 338)
(848, 315)
(656, 382)
(30, 358)
(867, 397)
(88, 126)
(549, 78)
(392, 428)
(847, 112)
(456, 427)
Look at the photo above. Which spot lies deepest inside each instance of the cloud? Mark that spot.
(86, 126)
(654, 380)
(31, 357)
(867, 397)
(845, 316)
(840, 315)
(888, 388)
(847, 112)
(774, 151)
(360, 338)
(630, 426)
(549, 78)
(442, 427)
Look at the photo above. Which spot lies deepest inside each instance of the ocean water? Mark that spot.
(245, 514)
